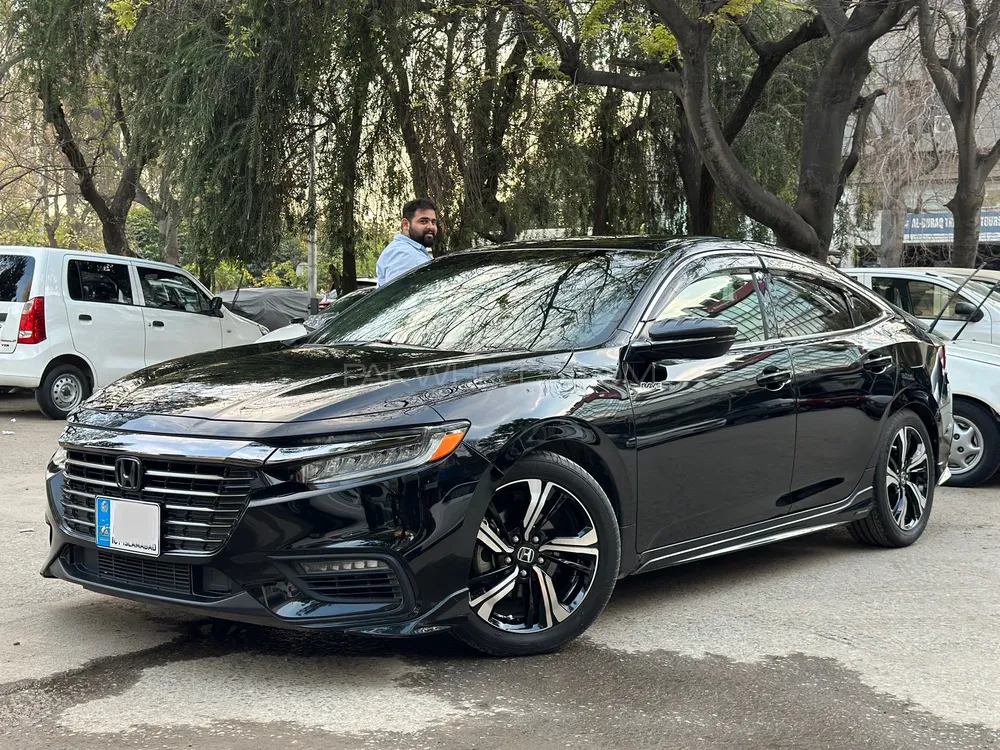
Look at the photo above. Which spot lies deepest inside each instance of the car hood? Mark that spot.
(977, 351)
(273, 382)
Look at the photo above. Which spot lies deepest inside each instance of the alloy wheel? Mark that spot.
(908, 477)
(536, 557)
(67, 392)
(966, 448)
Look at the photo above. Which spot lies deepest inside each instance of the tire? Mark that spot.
(893, 522)
(63, 389)
(507, 624)
(975, 452)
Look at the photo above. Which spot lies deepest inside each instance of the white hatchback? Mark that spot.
(72, 321)
(927, 292)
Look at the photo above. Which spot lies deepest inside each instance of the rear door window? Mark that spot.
(807, 306)
(99, 281)
(16, 272)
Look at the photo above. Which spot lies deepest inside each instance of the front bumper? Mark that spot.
(416, 525)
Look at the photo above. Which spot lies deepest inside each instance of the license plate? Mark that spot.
(128, 525)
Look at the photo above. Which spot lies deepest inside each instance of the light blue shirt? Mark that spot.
(400, 255)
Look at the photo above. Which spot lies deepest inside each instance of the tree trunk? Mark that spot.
(347, 232)
(699, 188)
(828, 107)
(604, 160)
(893, 229)
(115, 236)
(965, 207)
(168, 229)
(703, 220)
(111, 213)
(731, 176)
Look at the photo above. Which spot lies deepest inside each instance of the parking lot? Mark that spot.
(811, 643)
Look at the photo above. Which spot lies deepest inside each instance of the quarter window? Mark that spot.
(807, 306)
(865, 311)
(727, 295)
(99, 281)
(172, 291)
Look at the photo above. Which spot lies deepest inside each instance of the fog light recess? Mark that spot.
(338, 566)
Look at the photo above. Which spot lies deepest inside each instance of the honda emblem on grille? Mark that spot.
(128, 472)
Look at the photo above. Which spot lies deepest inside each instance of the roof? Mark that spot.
(960, 273)
(649, 243)
(42, 249)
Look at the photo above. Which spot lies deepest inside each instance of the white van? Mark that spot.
(73, 321)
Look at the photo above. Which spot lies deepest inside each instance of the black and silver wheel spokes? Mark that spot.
(536, 556)
(908, 478)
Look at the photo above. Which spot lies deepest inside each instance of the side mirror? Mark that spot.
(965, 309)
(216, 307)
(685, 338)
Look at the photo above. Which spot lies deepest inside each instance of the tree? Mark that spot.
(74, 52)
(904, 150)
(686, 67)
(962, 77)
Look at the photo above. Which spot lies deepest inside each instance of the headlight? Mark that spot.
(343, 461)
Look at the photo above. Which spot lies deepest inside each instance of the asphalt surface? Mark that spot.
(811, 643)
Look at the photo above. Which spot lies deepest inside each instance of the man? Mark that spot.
(411, 247)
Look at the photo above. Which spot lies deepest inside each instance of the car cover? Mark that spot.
(273, 307)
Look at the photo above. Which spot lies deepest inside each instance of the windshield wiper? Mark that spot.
(386, 342)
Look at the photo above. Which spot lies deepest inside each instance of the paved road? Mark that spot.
(812, 643)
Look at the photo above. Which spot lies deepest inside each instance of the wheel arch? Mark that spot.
(75, 360)
(586, 446)
(919, 403)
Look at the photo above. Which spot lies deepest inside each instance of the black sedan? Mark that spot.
(488, 443)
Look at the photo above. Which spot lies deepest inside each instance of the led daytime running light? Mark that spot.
(433, 445)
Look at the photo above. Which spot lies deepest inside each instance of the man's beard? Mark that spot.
(423, 238)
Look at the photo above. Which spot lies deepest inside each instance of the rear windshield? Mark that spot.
(15, 277)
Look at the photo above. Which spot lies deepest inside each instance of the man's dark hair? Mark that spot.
(420, 204)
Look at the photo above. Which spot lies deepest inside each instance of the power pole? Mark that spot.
(313, 281)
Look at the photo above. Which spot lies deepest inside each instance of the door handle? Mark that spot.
(86, 318)
(157, 324)
(774, 379)
(878, 364)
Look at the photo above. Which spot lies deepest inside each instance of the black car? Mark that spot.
(488, 443)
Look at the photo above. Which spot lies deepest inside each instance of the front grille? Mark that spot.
(136, 572)
(200, 502)
(359, 586)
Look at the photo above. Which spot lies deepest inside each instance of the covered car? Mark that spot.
(270, 306)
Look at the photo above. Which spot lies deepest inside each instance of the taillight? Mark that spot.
(32, 329)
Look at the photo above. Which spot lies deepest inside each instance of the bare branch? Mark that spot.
(985, 82)
(864, 108)
(936, 70)
(989, 160)
(662, 81)
(770, 56)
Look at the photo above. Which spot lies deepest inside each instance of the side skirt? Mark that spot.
(786, 527)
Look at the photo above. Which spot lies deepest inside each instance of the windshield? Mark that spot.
(976, 286)
(327, 314)
(538, 300)
(15, 277)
